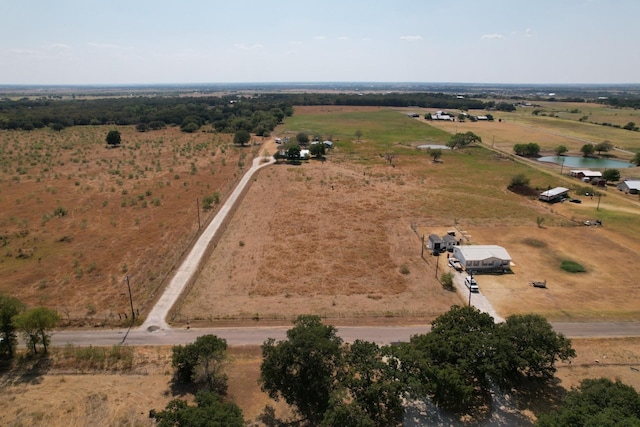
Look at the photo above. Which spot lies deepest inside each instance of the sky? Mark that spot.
(116, 42)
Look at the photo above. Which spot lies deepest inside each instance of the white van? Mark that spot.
(471, 284)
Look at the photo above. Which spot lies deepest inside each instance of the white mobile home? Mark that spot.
(483, 257)
(554, 195)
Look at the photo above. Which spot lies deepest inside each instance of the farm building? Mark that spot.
(585, 175)
(630, 186)
(435, 243)
(483, 257)
(554, 195)
(449, 241)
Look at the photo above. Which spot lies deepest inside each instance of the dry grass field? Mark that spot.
(78, 217)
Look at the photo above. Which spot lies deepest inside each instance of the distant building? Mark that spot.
(585, 175)
(629, 186)
(554, 195)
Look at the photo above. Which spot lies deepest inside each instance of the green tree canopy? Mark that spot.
(636, 159)
(241, 137)
(358, 134)
(318, 149)
(113, 138)
(587, 150)
(10, 307)
(596, 402)
(603, 146)
(201, 362)
(304, 369)
(302, 138)
(36, 325)
(210, 411)
(436, 153)
(560, 150)
(461, 140)
(611, 175)
(527, 150)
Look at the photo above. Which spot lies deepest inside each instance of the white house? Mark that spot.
(629, 186)
(554, 195)
(482, 257)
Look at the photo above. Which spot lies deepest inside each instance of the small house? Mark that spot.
(629, 186)
(483, 257)
(449, 241)
(435, 243)
(554, 195)
(585, 175)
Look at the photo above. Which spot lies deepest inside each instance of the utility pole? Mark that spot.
(599, 195)
(422, 248)
(437, 264)
(198, 209)
(133, 314)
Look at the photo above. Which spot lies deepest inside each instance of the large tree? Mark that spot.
(113, 138)
(610, 175)
(201, 362)
(587, 150)
(305, 369)
(461, 140)
(596, 402)
(528, 348)
(9, 308)
(36, 325)
(241, 137)
(603, 146)
(302, 138)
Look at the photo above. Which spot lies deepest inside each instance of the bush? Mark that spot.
(404, 269)
(572, 267)
(447, 281)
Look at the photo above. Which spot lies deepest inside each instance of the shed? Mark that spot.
(629, 186)
(449, 241)
(585, 174)
(554, 195)
(435, 243)
(483, 257)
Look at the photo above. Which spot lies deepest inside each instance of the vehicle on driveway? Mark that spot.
(471, 283)
(575, 200)
(453, 262)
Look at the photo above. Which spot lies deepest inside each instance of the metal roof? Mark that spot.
(554, 192)
(482, 252)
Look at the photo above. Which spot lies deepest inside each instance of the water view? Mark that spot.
(586, 162)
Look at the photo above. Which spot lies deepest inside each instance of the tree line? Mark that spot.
(225, 114)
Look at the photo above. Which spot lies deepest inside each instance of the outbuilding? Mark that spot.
(630, 186)
(483, 257)
(585, 175)
(435, 243)
(554, 195)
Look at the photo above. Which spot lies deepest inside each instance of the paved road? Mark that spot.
(180, 279)
(256, 335)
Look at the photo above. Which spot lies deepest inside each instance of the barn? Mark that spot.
(554, 195)
(483, 257)
(630, 186)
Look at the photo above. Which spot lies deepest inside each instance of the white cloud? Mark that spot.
(492, 36)
(343, 38)
(411, 38)
(528, 32)
(106, 46)
(26, 52)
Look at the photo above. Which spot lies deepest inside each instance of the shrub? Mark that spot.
(404, 269)
(572, 267)
(447, 281)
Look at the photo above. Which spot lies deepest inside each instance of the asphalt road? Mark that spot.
(256, 335)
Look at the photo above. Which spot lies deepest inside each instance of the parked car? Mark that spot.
(575, 201)
(471, 283)
(453, 262)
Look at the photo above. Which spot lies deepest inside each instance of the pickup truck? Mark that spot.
(471, 283)
(453, 262)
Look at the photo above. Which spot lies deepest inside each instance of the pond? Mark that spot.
(586, 162)
(433, 147)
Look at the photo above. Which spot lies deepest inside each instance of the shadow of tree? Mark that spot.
(28, 369)
(539, 396)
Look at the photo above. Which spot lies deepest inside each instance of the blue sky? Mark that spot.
(236, 41)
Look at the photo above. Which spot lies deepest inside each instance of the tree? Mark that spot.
(113, 138)
(293, 153)
(519, 180)
(318, 149)
(528, 348)
(10, 307)
(630, 126)
(610, 175)
(461, 140)
(527, 150)
(436, 153)
(142, 127)
(596, 402)
(560, 150)
(358, 134)
(201, 362)
(304, 369)
(636, 159)
(241, 137)
(428, 116)
(210, 411)
(451, 363)
(36, 325)
(587, 150)
(302, 138)
(603, 146)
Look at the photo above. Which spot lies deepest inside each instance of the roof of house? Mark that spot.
(481, 252)
(554, 192)
(585, 172)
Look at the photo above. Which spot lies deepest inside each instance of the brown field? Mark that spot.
(127, 211)
(63, 394)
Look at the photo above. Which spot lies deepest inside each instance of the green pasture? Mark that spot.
(468, 184)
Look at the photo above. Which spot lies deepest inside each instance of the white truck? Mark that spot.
(471, 283)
